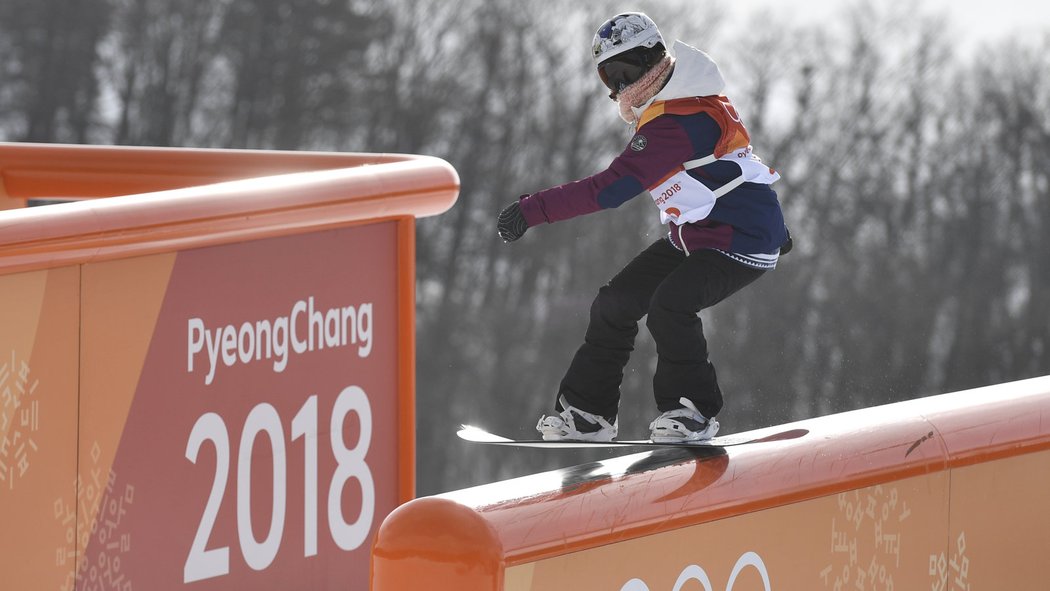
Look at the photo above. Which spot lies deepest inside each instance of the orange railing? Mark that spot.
(946, 492)
(260, 194)
(206, 363)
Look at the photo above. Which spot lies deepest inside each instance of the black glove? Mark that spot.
(511, 224)
(788, 244)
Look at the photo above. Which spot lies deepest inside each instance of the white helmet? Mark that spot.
(624, 32)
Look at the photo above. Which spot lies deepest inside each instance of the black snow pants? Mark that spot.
(671, 288)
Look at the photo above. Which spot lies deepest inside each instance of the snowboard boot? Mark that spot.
(573, 424)
(682, 425)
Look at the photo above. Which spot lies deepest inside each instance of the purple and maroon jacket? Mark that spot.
(745, 221)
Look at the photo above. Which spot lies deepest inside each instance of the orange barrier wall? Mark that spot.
(942, 493)
(205, 386)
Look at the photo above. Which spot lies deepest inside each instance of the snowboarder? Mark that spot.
(692, 154)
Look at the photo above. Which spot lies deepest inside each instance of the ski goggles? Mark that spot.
(617, 73)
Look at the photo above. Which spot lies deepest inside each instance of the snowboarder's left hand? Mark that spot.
(511, 224)
(788, 244)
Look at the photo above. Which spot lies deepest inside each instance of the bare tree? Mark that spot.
(52, 47)
(157, 60)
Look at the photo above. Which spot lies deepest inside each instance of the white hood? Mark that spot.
(695, 74)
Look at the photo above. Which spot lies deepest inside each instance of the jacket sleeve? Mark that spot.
(652, 154)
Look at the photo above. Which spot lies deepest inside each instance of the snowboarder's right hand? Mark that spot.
(511, 224)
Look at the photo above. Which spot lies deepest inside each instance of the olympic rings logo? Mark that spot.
(696, 573)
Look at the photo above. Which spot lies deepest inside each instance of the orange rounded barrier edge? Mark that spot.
(165, 199)
(605, 513)
(456, 546)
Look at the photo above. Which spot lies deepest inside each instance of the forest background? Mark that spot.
(916, 181)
